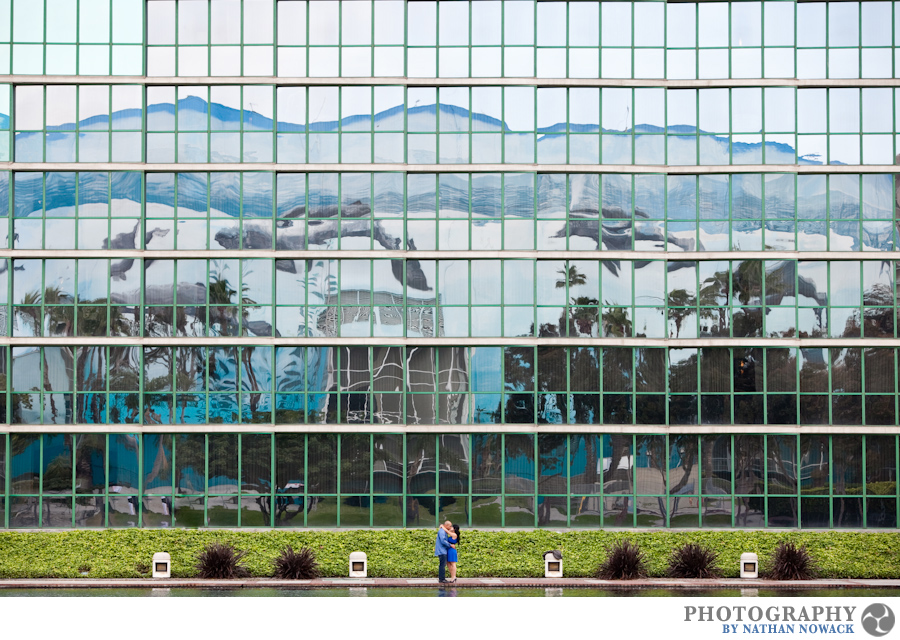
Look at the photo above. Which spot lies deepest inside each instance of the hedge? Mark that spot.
(409, 552)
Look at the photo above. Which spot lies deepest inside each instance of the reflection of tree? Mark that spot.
(616, 322)
(322, 463)
(782, 469)
(571, 278)
(878, 322)
(519, 384)
(583, 316)
(124, 376)
(59, 319)
(91, 376)
(190, 456)
(748, 475)
(677, 301)
(619, 481)
(552, 463)
(746, 281)
(67, 356)
(582, 310)
(658, 451)
(487, 463)
(814, 457)
(289, 456)
(57, 476)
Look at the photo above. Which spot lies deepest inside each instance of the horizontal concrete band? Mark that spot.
(718, 429)
(381, 341)
(449, 168)
(457, 82)
(344, 254)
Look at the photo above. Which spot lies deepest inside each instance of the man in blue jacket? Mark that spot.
(441, 546)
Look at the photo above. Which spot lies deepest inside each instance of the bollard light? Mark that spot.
(553, 565)
(358, 565)
(749, 565)
(162, 565)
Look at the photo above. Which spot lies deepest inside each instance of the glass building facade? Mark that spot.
(276, 263)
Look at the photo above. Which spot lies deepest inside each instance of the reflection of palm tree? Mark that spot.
(747, 281)
(681, 305)
(583, 315)
(572, 278)
(31, 314)
(583, 319)
(616, 322)
(57, 477)
(59, 315)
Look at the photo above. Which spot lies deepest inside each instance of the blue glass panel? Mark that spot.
(30, 147)
(161, 193)
(25, 461)
(57, 463)
(123, 408)
(93, 188)
(877, 194)
(518, 194)
(157, 463)
(123, 463)
(258, 193)
(323, 195)
(682, 198)
(225, 190)
(190, 409)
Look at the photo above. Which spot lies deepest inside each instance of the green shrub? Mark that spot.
(396, 553)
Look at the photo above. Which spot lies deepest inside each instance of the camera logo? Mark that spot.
(877, 619)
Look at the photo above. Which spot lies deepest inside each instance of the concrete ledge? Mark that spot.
(584, 583)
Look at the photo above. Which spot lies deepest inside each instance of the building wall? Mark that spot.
(274, 263)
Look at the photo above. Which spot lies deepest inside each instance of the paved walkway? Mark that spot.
(649, 583)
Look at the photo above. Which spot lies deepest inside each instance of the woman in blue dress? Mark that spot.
(452, 556)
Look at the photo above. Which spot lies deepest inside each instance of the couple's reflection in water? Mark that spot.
(447, 592)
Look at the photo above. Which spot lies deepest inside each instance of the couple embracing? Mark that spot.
(445, 550)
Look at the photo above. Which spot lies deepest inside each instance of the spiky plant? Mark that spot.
(693, 561)
(220, 561)
(790, 562)
(624, 561)
(296, 565)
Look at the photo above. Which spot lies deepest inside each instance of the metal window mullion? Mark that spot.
(305, 477)
(240, 469)
(502, 468)
(404, 467)
(568, 469)
(865, 481)
(765, 440)
(73, 456)
(7, 467)
(40, 497)
(339, 438)
(831, 483)
(896, 466)
(536, 470)
(731, 456)
(797, 474)
(469, 491)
